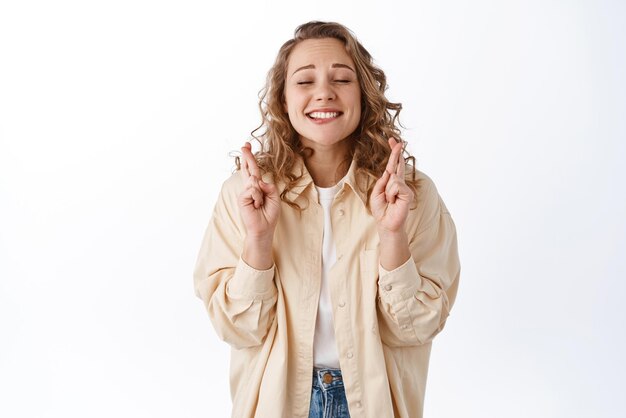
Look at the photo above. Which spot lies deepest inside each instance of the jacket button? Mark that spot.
(349, 355)
(357, 404)
(342, 304)
(388, 287)
(341, 212)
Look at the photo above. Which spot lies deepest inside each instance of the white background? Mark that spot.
(116, 120)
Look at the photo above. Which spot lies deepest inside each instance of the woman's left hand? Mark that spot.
(391, 197)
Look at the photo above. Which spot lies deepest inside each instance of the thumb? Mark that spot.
(267, 188)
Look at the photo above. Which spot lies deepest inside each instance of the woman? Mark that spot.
(329, 264)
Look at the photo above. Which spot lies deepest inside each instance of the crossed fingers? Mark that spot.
(395, 165)
(251, 176)
(394, 172)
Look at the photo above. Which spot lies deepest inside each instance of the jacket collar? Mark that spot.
(305, 182)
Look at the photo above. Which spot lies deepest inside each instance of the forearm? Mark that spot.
(257, 252)
(394, 249)
(242, 306)
(416, 297)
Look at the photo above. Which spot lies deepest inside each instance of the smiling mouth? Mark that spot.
(323, 115)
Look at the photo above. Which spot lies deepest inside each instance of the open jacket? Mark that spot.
(384, 320)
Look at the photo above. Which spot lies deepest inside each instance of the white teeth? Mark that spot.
(323, 115)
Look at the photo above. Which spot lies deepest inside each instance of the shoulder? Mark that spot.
(423, 180)
(234, 183)
(428, 205)
(230, 191)
(426, 189)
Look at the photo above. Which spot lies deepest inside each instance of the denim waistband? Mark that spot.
(327, 379)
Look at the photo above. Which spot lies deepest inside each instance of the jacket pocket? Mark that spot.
(369, 263)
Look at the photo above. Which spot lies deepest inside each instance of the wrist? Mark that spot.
(392, 237)
(257, 252)
(261, 239)
(394, 249)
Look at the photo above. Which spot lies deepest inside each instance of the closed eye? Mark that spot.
(304, 82)
(342, 81)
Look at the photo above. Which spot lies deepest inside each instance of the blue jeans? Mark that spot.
(328, 397)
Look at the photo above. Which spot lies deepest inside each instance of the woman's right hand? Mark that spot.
(259, 202)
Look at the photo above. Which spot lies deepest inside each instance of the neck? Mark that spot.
(327, 165)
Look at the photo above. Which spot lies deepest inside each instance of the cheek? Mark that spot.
(357, 107)
(357, 114)
(356, 100)
(357, 97)
(291, 103)
(292, 114)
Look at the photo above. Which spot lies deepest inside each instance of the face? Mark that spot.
(322, 94)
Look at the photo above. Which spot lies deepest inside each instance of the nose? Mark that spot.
(324, 91)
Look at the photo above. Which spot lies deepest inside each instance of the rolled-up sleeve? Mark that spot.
(240, 300)
(249, 283)
(415, 299)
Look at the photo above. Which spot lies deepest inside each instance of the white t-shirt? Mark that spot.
(324, 345)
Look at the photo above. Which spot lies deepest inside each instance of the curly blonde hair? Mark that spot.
(280, 143)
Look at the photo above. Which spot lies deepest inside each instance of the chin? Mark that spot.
(323, 141)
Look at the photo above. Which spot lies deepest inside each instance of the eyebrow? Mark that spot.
(336, 65)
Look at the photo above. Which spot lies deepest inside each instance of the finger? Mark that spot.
(401, 166)
(381, 184)
(268, 189)
(244, 167)
(252, 197)
(253, 194)
(253, 168)
(398, 190)
(392, 189)
(245, 158)
(256, 192)
(251, 182)
(257, 197)
(392, 164)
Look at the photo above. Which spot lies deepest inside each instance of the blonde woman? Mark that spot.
(329, 263)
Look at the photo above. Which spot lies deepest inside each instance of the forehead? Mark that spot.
(326, 51)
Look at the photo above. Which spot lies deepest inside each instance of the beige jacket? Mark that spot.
(384, 320)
